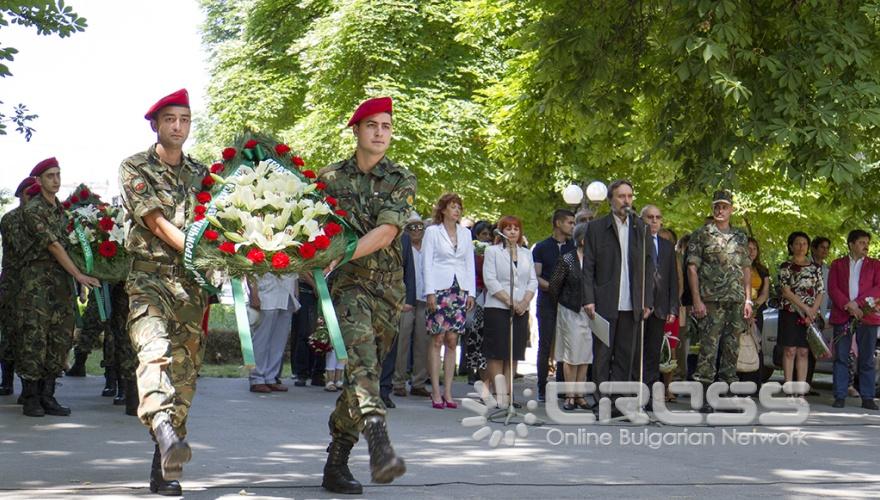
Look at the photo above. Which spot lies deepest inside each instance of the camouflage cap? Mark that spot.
(722, 196)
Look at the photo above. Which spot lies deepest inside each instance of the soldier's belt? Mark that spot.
(154, 267)
(376, 276)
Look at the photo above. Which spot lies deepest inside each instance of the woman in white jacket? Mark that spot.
(496, 312)
(450, 287)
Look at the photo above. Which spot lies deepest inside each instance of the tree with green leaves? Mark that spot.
(48, 18)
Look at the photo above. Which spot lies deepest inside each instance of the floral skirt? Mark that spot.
(474, 341)
(451, 313)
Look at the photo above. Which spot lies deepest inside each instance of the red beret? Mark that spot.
(179, 98)
(26, 183)
(370, 107)
(33, 190)
(43, 166)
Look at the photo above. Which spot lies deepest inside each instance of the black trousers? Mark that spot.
(652, 346)
(614, 363)
(546, 334)
(303, 362)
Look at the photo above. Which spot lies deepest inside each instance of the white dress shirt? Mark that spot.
(418, 265)
(444, 262)
(496, 274)
(855, 269)
(624, 297)
(276, 292)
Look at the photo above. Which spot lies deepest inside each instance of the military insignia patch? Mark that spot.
(409, 200)
(138, 185)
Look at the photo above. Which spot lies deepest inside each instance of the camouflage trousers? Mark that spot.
(117, 349)
(164, 324)
(46, 304)
(722, 327)
(369, 318)
(9, 317)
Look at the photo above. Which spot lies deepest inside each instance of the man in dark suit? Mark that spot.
(616, 265)
(666, 301)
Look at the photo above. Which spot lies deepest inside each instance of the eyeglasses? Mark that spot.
(652, 217)
(415, 227)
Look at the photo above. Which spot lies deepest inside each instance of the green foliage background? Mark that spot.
(507, 102)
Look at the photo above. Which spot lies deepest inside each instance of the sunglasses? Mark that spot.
(415, 227)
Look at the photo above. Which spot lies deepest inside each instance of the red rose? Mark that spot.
(280, 260)
(105, 223)
(298, 161)
(107, 249)
(84, 194)
(281, 149)
(66, 204)
(229, 153)
(198, 217)
(208, 181)
(340, 212)
(332, 229)
(70, 227)
(211, 235)
(227, 246)
(250, 144)
(256, 256)
(216, 168)
(307, 250)
(203, 197)
(321, 242)
(74, 199)
(320, 186)
(200, 209)
(309, 174)
(330, 201)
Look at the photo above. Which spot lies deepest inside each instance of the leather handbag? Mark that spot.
(748, 360)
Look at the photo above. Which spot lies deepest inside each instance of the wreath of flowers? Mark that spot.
(319, 340)
(267, 212)
(103, 227)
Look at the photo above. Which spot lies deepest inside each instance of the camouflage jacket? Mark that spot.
(385, 195)
(148, 184)
(15, 239)
(44, 224)
(720, 258)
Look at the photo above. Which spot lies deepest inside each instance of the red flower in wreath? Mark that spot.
(208, 181)
(211, 235)
(198, 217)
(309, 174)
(307, 250)
(330, 201)
(83, 194)
(321, 242)
(250, 144)
(281, 149)
(320, 186)
(107, 249)
(203, 197)
(229, 153)
(200, 209)
(298, 161)
(256, 256)
(332, 229)
(340, 212)
(66, 205)
(280, 260)
(74, 199)
(105, 223)
(216, 168)
(227, 246)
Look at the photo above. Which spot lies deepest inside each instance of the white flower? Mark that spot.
(117, 234)
(259, 233)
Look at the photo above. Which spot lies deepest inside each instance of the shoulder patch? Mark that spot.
(138, 185)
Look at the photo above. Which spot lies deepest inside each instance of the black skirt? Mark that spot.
(496, 334)
(791, 334)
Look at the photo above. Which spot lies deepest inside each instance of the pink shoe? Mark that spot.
(436, 405)
(450, 403)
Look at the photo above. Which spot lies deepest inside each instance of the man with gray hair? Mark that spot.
(666, 300)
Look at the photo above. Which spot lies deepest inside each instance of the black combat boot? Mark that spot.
(706, 408)
(131, 398)
(109, 382)
(79, 365)
(175, 451)
(30, 396)
(119, 400)
(385, 465)
(8, 379)
(337, 476)
(158, 484)
(48, 401)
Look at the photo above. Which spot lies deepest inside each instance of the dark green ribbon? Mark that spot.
(255, 154)
(89, 259)
(244, 326)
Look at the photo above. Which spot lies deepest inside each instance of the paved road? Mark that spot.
(272, 446)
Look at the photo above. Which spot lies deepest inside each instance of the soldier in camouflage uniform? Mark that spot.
(368, 292)
(86, 342)
(159, 187)
(15, 242)
(720, 276)
(47, 294)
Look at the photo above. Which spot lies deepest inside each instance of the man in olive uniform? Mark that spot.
(166, 306)
(720, 275)
(47, 294)
(15, 243)
(368, 292)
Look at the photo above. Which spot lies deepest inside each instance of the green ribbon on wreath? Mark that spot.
(329, 312)
(244, 326)
(255, 154)
(89, 259)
